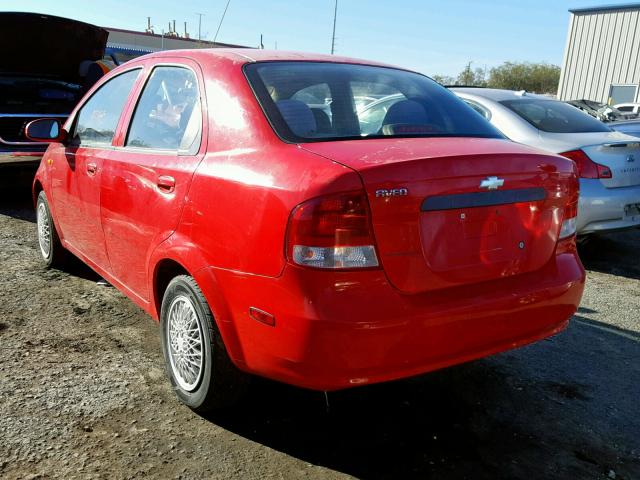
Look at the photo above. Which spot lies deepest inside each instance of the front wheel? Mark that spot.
(51, 249)
(197, 363)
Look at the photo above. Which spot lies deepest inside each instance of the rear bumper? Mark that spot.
(339, 330)
(602, 209)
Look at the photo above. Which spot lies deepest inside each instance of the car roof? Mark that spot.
(497, 94)
(252, 55)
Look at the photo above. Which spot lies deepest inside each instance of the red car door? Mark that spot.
(146, 178)
(76, 168)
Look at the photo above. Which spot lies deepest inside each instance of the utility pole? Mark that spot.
(333, 37)
(200, 25)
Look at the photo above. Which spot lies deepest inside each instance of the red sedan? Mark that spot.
(244, 200)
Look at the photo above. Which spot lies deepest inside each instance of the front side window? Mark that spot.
(554, 117)
(98, 118)
(168, 115)
(316, 101)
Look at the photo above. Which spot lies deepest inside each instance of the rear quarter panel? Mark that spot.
(238, 207)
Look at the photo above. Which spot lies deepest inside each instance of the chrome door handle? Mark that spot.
(92, 168)
(166, 183)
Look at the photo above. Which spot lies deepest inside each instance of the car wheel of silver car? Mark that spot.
(201, 372)
(51, 249)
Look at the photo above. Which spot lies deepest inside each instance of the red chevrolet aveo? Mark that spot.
(322, 221)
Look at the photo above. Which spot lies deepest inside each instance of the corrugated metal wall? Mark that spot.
(603, 48)
(142, 40)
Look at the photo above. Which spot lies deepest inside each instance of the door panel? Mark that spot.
(76, 168)
(75, 173)
(139, 209)
(144, 184)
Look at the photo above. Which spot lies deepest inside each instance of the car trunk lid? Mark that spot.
(37, 44)
(436, 227)
(622, 158)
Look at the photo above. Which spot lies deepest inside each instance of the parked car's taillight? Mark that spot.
(570, 214)
(332, 231)
(587, 168)
(568, 225)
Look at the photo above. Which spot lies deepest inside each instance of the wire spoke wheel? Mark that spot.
(44, 230)
(184, 339)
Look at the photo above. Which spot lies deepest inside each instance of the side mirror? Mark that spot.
(45, 130)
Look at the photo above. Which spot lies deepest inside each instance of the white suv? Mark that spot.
(629, 108)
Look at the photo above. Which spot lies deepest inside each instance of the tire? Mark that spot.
(584, 240)
(51, 249)
(203, 377)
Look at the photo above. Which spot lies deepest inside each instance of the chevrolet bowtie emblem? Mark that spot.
(492, 183)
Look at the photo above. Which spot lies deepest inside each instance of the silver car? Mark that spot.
(608, 161)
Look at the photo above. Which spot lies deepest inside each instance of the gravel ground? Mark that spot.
(83, 393)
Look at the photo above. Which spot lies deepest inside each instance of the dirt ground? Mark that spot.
(83, 393)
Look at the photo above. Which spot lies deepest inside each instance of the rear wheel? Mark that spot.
(51, 249)
(197, 363)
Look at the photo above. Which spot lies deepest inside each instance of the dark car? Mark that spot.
(601, 111)
(39, 77)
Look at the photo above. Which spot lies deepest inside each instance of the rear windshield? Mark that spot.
(555, 117)
(315, 101)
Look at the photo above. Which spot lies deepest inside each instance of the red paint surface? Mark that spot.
(450, 288)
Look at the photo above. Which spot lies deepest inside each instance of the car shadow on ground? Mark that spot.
(16, 202)
(538, 412)
(394, 430)
(614, 253)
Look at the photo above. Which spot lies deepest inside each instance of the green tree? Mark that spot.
(533, 77)
(443, 79)
(471, 77)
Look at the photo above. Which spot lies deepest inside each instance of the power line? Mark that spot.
(221, 20)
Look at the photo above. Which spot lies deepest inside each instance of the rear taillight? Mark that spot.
(587, 168)
(333, 231)
(568, 227)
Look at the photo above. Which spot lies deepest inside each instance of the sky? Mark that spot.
(433, 37)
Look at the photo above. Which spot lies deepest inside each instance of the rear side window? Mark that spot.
(168, 114)
(318, 101)
(98, 118)
(555, 117)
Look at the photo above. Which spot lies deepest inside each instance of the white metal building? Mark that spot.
(601, 59)
(130, 44)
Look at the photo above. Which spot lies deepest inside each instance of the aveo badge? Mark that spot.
(392, 192)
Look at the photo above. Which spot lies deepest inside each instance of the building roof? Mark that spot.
(607, 8)
(185, 39)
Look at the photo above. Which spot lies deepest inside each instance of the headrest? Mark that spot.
(407, 112)
(298, 116)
